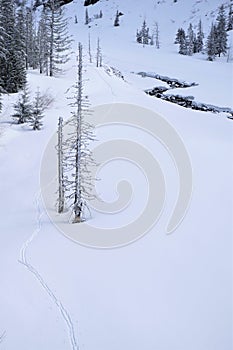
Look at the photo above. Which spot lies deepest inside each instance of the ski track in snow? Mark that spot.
(2, 336)
(100, 74)
(4, 124)
(23, 252)
(23, 260)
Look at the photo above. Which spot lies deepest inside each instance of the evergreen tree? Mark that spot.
(117, 21)
(182, 40)
(43, 42)
(54, 40)
(183, 47)
(61, 41)
(180, 36)
(200, 37)
(139, 37)
(230, 19)
(3, 51)
(195, 44)
(230, 53)
(221, 40)
(20, 43)
(51, 25)
(12, 68)
(152, 40)
(32, 50)
(211, 43)
(37, 112)
(143, 36)
(23, 108)
(190, 40)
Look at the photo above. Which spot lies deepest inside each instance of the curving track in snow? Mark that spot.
(24, 261)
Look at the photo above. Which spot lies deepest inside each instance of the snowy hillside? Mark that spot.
(162, 291)
(121, 51)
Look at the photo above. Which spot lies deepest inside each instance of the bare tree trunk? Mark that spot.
(61, 189)
(98, 54)
(78, 193)
(89, 48)
(51, 44)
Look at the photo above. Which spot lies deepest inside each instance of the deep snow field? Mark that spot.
(163, 291)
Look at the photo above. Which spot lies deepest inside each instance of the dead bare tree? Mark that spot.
(89, 48)
(61, 179)
(79, 159)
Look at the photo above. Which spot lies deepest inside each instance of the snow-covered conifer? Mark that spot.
(221, 39)
(200, 37)
(23, 108)
(20, 45)
(180, 35)
(190, 40)
(12, 67)
(3, 51)
(31, 44)
(230, 19)
(211, 43)
(183, 47)
(43, 42)
(37, 111)
(139, 37)
(143, 36)
(61, 41)
(54, 39)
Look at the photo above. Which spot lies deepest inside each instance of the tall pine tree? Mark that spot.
(53, 38)
(200, 37)
(23, 107)
(190, 40)
(180, 35)
(143, 36)
(221, 40)
(12, 68)
(211, 43)
(230, 19)
(32, 50)
(43, 42)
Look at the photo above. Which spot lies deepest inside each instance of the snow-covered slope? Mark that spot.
(120, 49)
(163, 291)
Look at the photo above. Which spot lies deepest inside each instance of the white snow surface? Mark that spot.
(163, 291)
